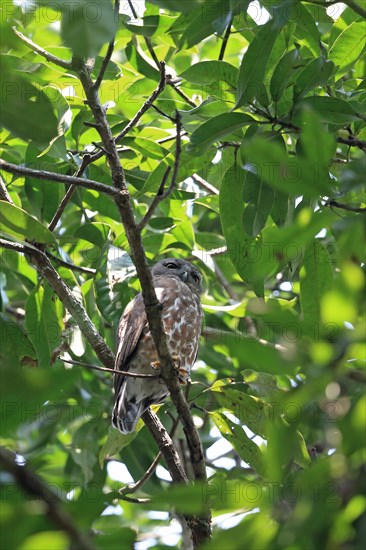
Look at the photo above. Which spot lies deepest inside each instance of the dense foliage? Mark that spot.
(269, 204)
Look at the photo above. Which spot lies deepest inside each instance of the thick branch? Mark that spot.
(58, 178)
(166, 446)
(32, 484)
(353, 142)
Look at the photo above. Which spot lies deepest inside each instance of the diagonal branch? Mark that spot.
(4, 193)
(148, 103)
(161, 195)
(32, 484)
(152, 306)
(63, 291)
(69, 193)
(109, 53)
(44, 53)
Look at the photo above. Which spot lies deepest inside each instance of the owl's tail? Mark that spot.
(126, 413)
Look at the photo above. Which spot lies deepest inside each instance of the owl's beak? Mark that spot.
(184, 276)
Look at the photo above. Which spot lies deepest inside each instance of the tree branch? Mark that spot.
(32, 484)
(44, 53)
(69, 193)
(111, 371)
(45, 268)
(58, 178)
(347, 207)
(4, 193)
(133, 487)
(166, 446)
(350, 3)
(109, 53)
(161, 195)
(71, 266)
(226, 38)
(145, 106)
(352, 141)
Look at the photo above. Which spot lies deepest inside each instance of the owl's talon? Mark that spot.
(176, 362)
(155, 365)
(183, 376)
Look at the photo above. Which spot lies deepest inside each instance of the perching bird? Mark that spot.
(177, 285)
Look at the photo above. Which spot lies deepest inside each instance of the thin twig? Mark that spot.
(69, 193)
(182, 94)
(33, 485)
(109, 53)
(133, 487)
(205, 185)
(71, 266)
(161, 195)
(112, 371)
(4, 193)
(226, 38)
(145, 106)
(44, 53)
(166, 446)
(350, 3)
(58, 178)
(158, 198)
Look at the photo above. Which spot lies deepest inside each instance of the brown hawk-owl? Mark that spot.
(177, 285)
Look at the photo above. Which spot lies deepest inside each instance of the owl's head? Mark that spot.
(183, 270)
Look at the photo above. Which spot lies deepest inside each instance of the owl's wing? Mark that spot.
(129, 331)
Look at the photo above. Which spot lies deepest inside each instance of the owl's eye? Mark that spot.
(195, 277)
(170, 265)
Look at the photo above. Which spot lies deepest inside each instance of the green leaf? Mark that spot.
(316, 73)
(283, 72)
(348, 47)
(217, 128)
(239, 244)
(316, 277)
(148, 28)
(331, 109)
(86, 26)
(16, 222)
(140, 62)
(254, 63)
(206, 72)
(245, 447)
(251, 411)
(96, 233)
(291, 175)
(208, 18)
(116, 441)
(259, 198)
(26, 110)
(43, 323)
(315, 141)
(15, 345)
